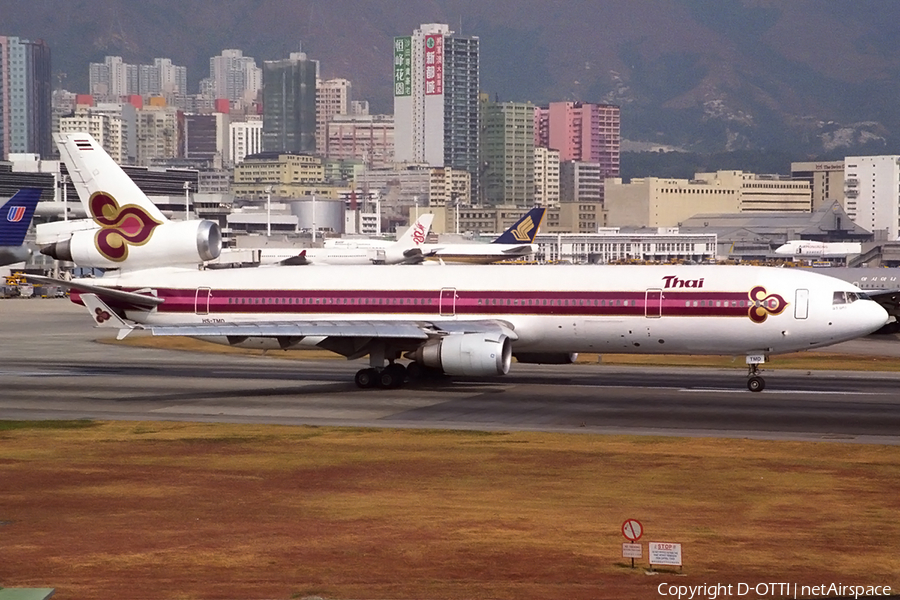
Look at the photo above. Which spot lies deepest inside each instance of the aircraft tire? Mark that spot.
(366, 378)
(392, 376)
(756, 383)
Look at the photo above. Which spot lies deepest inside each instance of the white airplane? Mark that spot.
(407, 249)
(459, 320)
(814, 249)
(15, 218)
(515, 242)
(128, 230)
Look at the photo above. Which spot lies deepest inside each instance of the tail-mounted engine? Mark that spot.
(164, 244)
(467, 354)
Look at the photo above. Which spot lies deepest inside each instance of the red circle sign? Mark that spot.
(632, 529)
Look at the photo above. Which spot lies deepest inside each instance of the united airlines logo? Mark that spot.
(120, 226)
(523, 229)
(15, 214)
(763, 304)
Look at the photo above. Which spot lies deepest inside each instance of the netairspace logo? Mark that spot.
(773, 590)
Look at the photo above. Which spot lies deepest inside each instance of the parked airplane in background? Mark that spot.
(15, 218)
(460, 320)
(128, 230)
(407, 249)
(814, 249)
(515, 242)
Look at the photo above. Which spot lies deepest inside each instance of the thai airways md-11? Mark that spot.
(456, 319)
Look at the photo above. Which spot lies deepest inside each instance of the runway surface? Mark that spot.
(51, 367)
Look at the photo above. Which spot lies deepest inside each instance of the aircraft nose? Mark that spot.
(876, 315)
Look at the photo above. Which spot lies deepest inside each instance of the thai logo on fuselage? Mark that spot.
(763, 304)
(523, 229)
(120, 226)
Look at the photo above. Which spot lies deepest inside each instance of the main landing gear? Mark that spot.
(390, 377)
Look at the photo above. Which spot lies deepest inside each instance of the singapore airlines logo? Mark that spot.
(762, 304)
(120, 226)
(523, 230)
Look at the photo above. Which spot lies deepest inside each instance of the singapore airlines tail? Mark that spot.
(524, 230)
(15, 218)
(128, 230)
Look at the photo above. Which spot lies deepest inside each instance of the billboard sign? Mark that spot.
(434, 64)
(402, 66)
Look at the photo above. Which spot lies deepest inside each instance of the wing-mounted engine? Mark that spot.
(143, 246)
(467, 354)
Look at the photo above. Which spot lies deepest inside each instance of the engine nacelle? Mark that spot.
(468, 354)
(167, 244)
(546, 358)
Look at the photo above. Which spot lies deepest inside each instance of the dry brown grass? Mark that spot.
(178, 510)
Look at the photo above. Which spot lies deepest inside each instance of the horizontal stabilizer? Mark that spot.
(118, 298)
(295, 261)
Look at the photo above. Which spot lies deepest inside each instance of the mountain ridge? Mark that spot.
(699, 75)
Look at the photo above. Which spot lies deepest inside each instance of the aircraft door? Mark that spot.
(201, 300)
(448, 302)
(653, 303)
(801, 304)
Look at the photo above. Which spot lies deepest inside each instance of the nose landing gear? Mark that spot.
(755, 383)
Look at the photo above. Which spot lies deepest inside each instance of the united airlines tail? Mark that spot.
(523, 230)
(15, 216)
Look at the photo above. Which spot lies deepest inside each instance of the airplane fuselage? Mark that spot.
(551, 308)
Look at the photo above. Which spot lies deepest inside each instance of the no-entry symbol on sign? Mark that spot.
(632, 529)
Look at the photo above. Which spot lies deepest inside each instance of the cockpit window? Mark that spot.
(848, 297)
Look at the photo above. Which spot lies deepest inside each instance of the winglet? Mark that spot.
(15, 216)
(105, 317)
(524, 230)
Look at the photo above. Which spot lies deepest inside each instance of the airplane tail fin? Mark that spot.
(414, 237)
(15, 216)
(100, 181)
(524, 230)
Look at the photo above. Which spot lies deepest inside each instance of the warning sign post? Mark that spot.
(632, 530)
(664, 553)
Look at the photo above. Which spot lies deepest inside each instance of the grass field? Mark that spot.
(178, 510)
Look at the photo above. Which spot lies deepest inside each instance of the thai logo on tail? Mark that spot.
(120, 226)
(762, 304)
(523, 229)
(15, 214)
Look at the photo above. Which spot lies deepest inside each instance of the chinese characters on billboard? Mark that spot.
(402, 66)
(434, 64)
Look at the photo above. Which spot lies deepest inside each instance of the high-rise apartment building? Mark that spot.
(160, 134)
(105, 126)
(234, 77)
(332, 98)
(436, 98)
(581, 132)
(546, 177)
(872, 191)
(507, 153)
(114, 78)
(367, 138)
(26, 114)
(245, 139)
(206, 138)
(289, 104)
